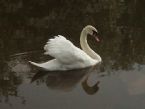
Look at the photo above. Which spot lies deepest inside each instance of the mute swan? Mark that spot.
(68, 56)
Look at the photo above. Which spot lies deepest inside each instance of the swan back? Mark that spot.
(59, 48)
(65, 52)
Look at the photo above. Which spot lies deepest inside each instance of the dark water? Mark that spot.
(118, 83)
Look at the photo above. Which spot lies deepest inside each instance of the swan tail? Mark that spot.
(35, 64)
(46, 66)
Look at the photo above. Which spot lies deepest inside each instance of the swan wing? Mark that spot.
(63, 50)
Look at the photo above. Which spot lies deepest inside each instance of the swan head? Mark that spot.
(91, 31)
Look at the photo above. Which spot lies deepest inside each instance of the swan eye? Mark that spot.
(95, 33)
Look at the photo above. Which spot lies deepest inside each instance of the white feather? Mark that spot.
(61, 49)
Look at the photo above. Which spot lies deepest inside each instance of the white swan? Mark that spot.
(68, 56)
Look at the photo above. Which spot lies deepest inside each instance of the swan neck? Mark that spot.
(86, 48)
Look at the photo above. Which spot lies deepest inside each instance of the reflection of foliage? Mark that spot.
(23, 23)
(8, 84)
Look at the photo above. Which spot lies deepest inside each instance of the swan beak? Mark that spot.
(97, 39)
(95, 35)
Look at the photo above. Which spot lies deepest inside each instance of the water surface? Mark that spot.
(118, 83)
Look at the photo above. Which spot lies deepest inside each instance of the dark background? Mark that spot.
(26, 25)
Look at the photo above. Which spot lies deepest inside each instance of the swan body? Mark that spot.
(67, 55)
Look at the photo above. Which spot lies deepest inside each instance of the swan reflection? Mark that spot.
(90, 89)
(67, 80)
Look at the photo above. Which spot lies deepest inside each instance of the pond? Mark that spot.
(117, 83)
